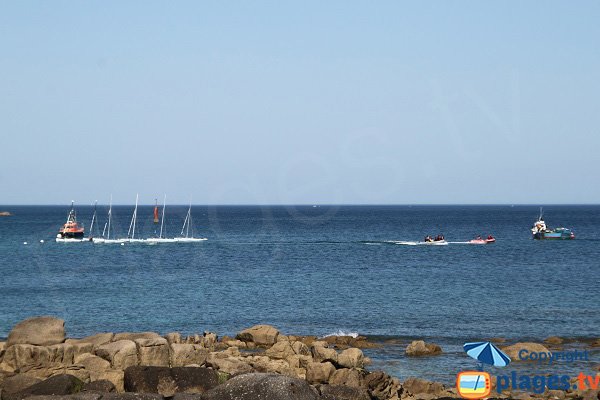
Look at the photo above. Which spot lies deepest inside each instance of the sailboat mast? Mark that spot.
(109, 216)
(162, 219)
(131, 231)
(71, 211)
(93, 219)
(135, 216)
(189, 219)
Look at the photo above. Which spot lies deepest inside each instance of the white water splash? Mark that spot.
(340, 332)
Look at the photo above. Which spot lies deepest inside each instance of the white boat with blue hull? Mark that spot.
(541, 232)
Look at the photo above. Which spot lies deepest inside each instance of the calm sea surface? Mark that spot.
(315, 270)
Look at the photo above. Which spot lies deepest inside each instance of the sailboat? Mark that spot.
(131, 232)
(160, 238)
(107, 229)
(94, 220)
(187, 225)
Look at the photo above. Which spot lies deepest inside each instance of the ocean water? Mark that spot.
(316, 270)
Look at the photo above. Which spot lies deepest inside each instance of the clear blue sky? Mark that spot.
(268, 102)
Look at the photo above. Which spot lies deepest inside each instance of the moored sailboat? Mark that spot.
(160, 238)
(187, 226)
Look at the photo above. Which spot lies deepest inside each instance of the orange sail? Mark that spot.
(156, 214)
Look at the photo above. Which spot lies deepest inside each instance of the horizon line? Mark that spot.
(305, 204)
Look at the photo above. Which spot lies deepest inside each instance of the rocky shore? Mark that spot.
(39, 361)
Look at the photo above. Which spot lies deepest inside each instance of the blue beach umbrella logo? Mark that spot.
(487, 353)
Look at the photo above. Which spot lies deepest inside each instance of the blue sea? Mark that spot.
(316, 270)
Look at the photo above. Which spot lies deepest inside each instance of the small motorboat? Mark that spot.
(71, 231)
(439, 240)
(480, 240)
(540, 231)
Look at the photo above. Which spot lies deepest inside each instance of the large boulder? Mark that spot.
(230, 365)
(121, 354)
(96, 366)
(153, 352)
(417, 386)
(116, 396)
(40, 331)
(103, 386)
(300, 348)
(260, 386)
(116, 377)
(347, 377)
(554, 340)
(513, 351)
(382, 386)
(186, 354)
(173, 337)
(95, 340)
(168, 381)
(344, 342)
(135, 335)
(320, 352)
(56, 385)
(319, 372)
(18, 382)
(351, 358)
(280, 350)
(261, 335)
(23, 356)
(419, 348)
(338, 392)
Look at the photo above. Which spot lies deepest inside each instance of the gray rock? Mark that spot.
(347, 377)
(132, 396)
(103, 386)
(319, 372)
(169, 381)
(55, 385)
(187, 396)
(153, 352)
(259, 386)
(339, 392)
(76, 396)
(40, 331)
(16, 383)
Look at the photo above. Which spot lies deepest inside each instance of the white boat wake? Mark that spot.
(412, 243)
